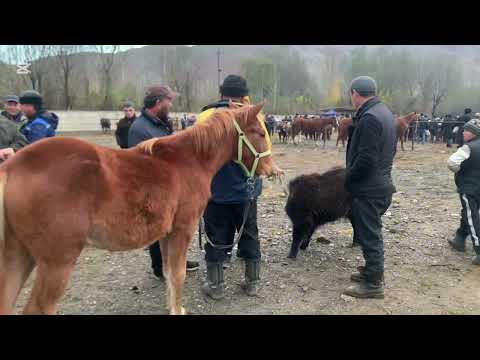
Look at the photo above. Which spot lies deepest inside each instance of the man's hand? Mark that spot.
(6, 153)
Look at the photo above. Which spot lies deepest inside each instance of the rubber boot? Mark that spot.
(215, 286)
(358, 276)
(370, 288)
(458, 243)
(476, 260)
(252, 277)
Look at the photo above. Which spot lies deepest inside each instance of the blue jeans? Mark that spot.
(422, 134)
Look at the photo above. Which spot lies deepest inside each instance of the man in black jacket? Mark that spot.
(123, 125)
(370, 151)
(153, 122)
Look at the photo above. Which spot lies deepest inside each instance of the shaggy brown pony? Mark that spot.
(59, 195)
(315, 200)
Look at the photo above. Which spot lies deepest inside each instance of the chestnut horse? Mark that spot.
(402, 123)
(60, 195)
(343, 130)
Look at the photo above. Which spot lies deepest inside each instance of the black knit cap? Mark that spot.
(234, 86)
(31, 97)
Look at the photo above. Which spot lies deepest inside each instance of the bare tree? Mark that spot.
(107, 56)
(11, 57)
(64, 56)
(37, 57)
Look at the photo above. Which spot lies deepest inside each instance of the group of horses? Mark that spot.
(316, 128)
(321, 128)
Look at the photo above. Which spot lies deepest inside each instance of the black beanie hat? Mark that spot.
(234, 86)
(31, 97)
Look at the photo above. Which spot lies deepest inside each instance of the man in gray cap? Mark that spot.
(465, 163)
(12, 110)
(370, 151)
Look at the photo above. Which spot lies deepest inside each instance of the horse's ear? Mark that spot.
(255, 110)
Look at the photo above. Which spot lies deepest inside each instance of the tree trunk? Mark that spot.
(67, 95)
(107, 104)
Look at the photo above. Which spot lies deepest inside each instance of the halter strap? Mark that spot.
(241, 140)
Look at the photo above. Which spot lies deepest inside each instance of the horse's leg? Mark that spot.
(165, 267)
(17, 264)
(50, 284)
(177, 262)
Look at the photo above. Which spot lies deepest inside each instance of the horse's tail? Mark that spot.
(3, 183)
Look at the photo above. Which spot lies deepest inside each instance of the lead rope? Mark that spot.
(250, 186)
(201, 225)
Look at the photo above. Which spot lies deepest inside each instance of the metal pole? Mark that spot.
(218, 67)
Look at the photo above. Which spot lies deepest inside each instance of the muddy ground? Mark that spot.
(423, 275)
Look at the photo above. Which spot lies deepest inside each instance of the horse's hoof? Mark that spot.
(181, 312)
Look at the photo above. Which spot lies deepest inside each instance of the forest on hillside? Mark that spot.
(293, 79)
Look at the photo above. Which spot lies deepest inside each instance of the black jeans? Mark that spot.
(367, 227)
(470, 221)
(222, 221)
(156, 256)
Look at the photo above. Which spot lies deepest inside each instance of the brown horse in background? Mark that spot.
(402, 123)
(343, 130)
(297, 127)
(60, 195)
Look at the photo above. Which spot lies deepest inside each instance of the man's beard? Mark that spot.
(163, 115)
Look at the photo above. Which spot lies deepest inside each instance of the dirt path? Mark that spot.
(423, 276)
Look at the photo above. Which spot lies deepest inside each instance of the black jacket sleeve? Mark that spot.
(369, 131)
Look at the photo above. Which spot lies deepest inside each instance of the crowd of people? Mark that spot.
(233, 205)
(447, 129)
(24, 121)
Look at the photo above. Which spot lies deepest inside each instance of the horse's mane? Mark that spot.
(408, 117)
(205, 136)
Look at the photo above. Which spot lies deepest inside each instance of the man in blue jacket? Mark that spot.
(225, 210)
(41, 123)
(153, 122)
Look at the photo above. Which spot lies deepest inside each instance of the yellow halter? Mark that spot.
(243, 139)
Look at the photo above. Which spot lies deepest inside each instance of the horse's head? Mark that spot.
(255, 156)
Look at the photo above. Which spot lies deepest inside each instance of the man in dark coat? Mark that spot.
(370, 152)
(154, 122)
(123, 125)
(11, 139)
